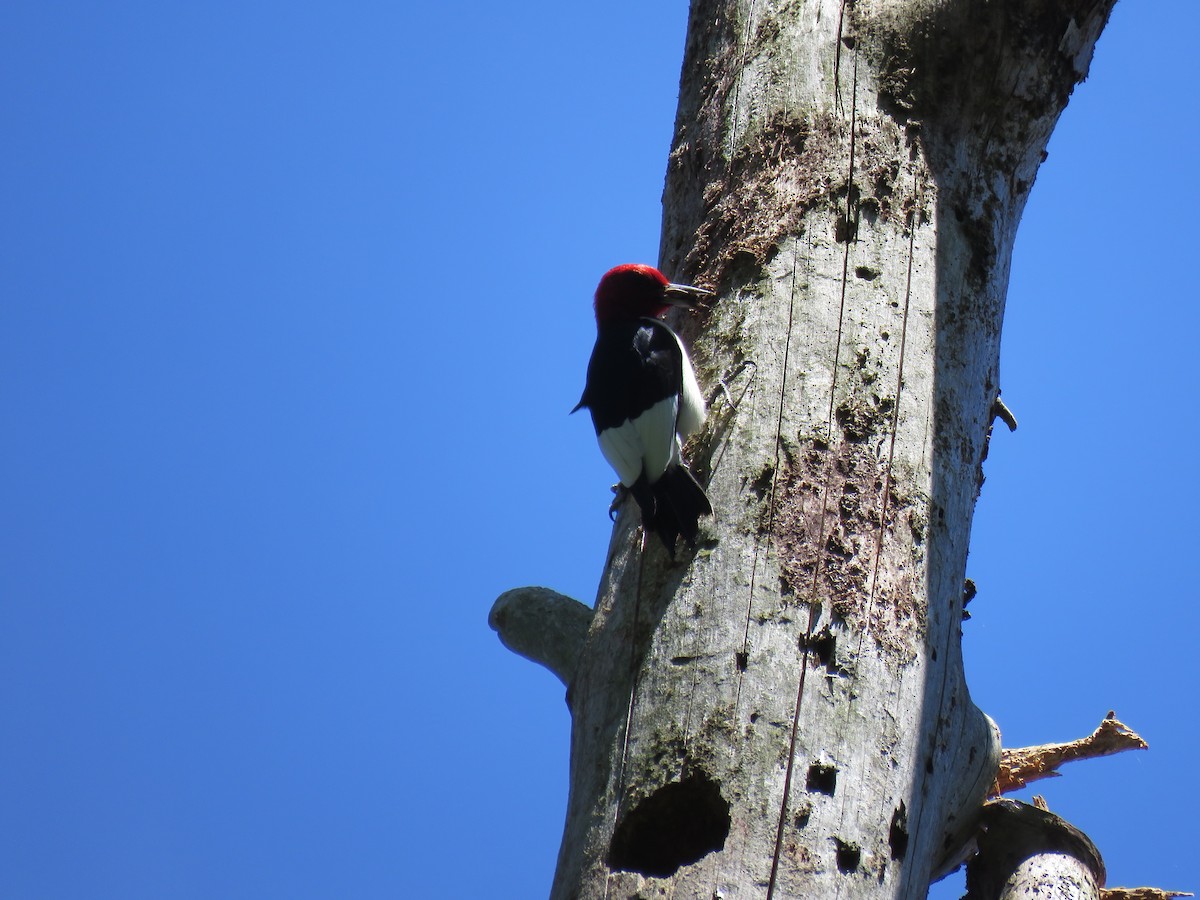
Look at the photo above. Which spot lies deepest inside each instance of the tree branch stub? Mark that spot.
(1029, 852)
(1022, 765)
(544, 626)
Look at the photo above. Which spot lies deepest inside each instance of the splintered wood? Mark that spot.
(1020, 766)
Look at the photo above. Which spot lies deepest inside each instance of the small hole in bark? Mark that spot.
(822, 779)
(844, 230)
(825, 644)
(761, 484)
(675, 826)
(898, 833)
(848, 856)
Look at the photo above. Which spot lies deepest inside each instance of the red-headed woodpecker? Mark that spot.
(644, 398)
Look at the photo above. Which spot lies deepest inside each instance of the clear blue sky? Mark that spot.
(294, 299)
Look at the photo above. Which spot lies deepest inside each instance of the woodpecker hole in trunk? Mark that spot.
(824, 645)
(679, 824)
(848, 856)
(821, 779)
(898, 832)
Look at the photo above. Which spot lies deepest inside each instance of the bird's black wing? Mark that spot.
(634, 379)
(634, 365)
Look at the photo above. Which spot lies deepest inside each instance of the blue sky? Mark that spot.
(295, 299)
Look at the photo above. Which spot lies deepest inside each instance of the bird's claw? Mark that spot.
(620, 493)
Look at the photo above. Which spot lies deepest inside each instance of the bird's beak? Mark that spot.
(686, 296)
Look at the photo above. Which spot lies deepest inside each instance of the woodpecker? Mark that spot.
(644, 398)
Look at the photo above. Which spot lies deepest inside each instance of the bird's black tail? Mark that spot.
(673, 505)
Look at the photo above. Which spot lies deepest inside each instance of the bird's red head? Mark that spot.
(633, 290)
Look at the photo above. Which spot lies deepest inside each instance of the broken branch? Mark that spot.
(1020, 766)
(542, 625)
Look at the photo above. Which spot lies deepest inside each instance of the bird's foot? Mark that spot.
(620, 493)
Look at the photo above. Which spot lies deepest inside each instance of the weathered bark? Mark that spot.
(1029, 852)
(1021, 765)
(784, 712)
(544, 626)
(1025, 851)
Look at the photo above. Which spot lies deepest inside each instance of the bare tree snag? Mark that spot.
(784, 713)
(1020, 766)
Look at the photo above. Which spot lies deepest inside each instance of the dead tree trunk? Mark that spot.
(783, 713)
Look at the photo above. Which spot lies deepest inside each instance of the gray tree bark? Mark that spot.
(784, 713)
(1027, 852)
